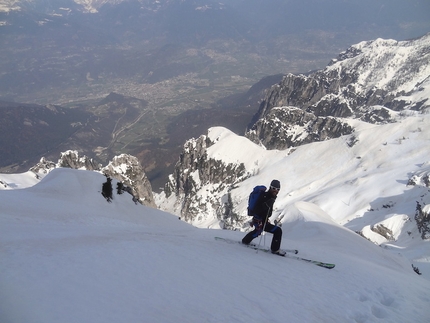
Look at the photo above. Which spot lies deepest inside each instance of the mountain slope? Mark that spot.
(368, 136)
(70, 256)
(363, 179)
(29, 130)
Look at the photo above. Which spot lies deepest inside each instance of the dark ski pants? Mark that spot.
(277, 235)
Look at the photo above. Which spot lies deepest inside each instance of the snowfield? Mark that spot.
(69, 256)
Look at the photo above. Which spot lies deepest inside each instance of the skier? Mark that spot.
(107, 190)
(260, 218)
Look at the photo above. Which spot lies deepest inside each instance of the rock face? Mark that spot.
(71, 159)
(194, 171)
(370, 81)
(421, 178)
(124, 168)
(291, 127)
(127, 169)
(43, 167)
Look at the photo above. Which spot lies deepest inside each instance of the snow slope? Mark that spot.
(69, 256)
(360, 181)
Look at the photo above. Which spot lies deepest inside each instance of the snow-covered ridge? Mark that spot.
(367, 142)
(386, 64)
(331, 138)
(373, 81)
(369, 182)
(124, 168)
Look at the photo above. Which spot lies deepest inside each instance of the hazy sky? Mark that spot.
(405, 18)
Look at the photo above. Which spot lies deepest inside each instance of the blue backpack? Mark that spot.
(253, 198)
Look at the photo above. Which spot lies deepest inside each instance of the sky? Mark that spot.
(396, 18)
(69, 256)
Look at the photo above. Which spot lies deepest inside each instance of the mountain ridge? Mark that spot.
(207, 188)
(368, 81)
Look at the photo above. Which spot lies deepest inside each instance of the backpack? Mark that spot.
(253, 198)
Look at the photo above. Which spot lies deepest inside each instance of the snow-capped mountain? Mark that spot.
(373, 180)
(372, 81)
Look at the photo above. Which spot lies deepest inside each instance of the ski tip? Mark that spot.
(328, 266)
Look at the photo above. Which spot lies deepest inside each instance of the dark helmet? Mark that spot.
(275, 184)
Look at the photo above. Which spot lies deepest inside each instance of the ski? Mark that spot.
(315, 262)
(290, 253)
(254, 246)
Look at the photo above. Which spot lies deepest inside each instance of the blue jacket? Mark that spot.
(264, 206)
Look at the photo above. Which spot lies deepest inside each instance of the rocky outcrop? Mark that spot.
(196, 170)
(71, 159)
(43, 167)
(383, 231)
(421, 178)
(291, 127)
(127, 169)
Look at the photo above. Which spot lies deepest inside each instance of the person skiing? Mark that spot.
(260, 218)
(107, 190)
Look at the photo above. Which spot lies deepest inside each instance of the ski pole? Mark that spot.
(264, 227)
